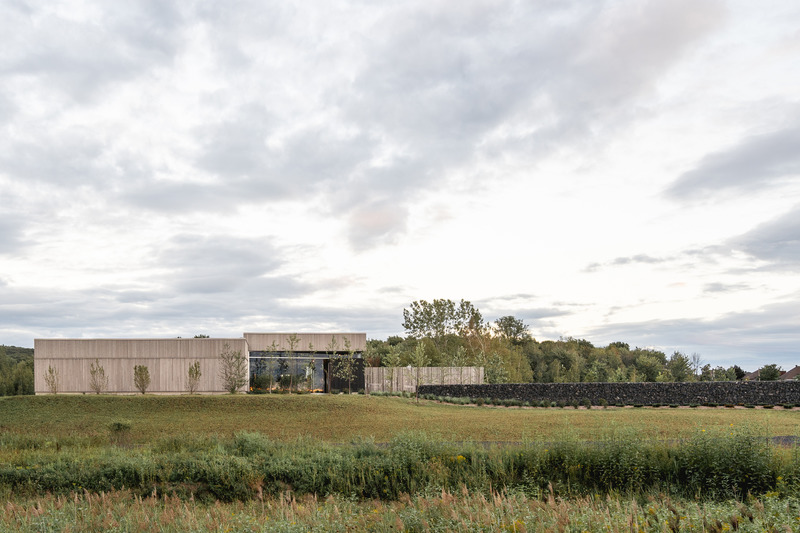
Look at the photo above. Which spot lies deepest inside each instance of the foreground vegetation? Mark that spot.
(460, 512)
(351, 463)
(730, 463)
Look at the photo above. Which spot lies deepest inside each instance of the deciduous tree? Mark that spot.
(193, 378)
(233, 369)
(51, 379)
(98, 381)
(141, 378)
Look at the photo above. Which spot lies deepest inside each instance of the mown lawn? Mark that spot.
(343, 418)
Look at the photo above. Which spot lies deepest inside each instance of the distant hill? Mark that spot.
(18, 354)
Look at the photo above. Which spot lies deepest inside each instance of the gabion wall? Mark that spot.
(716, 392)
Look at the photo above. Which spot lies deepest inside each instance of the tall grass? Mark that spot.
(710, 465)
(463, 511)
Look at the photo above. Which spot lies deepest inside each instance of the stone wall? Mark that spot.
(717, 392)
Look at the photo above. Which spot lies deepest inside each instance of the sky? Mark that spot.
(618, 170)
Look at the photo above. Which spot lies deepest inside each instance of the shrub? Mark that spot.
(674, 405)
(602, 402)
(768, 406)
(587, 403)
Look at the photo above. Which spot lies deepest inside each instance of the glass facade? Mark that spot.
(277, 370)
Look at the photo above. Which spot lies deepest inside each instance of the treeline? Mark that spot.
(16, 370)
(455, 334)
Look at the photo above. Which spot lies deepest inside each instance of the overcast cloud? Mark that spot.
(621, 170)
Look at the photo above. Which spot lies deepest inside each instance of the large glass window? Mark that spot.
(278, 371)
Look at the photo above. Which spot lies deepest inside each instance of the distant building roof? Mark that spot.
(791, 374)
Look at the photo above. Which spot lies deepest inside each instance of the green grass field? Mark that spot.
(342, 418)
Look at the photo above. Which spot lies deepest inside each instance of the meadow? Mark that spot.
(341, 418)
(338, 463)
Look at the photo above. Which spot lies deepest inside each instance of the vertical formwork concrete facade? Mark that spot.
(167, 360)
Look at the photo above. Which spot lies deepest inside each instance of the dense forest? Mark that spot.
(455, 334)
(16, 370)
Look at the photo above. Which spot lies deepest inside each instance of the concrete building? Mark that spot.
(302, 358)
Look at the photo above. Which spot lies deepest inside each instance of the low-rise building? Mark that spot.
(306, 360)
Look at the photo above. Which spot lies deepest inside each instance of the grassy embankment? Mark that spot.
(342, 418)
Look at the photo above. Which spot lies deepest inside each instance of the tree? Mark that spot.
(51, 379)
(391, 360)
(769, 373)
(512, 329)
(193, 379)
(293, 342)
(649, 366)
(98, 381)
(201, 336)
(697, 363)
(738, 373)
(141, 378)
(345, 368)
(331, 349)
(493, 369)
(680, 367)
(233, 369)
(419, 360)
(310, 367)
(459, 360)
(440, 318)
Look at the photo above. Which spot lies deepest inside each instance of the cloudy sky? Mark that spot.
(612, 170)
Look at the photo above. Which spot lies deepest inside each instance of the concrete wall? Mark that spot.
(168, 361)
(404, 378)
(261, 342)
(718, 392)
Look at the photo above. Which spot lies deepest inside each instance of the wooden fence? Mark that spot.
(398, 379)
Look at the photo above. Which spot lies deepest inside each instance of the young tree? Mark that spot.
(293, 341)
(141, 378)
(310, 367)
(233, 369)
(459, 360)
(346, 365)
(495, 372)
(51, 379)
(392, 361)
(330, 349)
(98, 381)
(193, 380)
(419, 360)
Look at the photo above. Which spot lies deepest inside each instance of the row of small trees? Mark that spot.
(98, 380)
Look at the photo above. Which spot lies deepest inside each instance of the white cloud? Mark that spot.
(589, 167)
